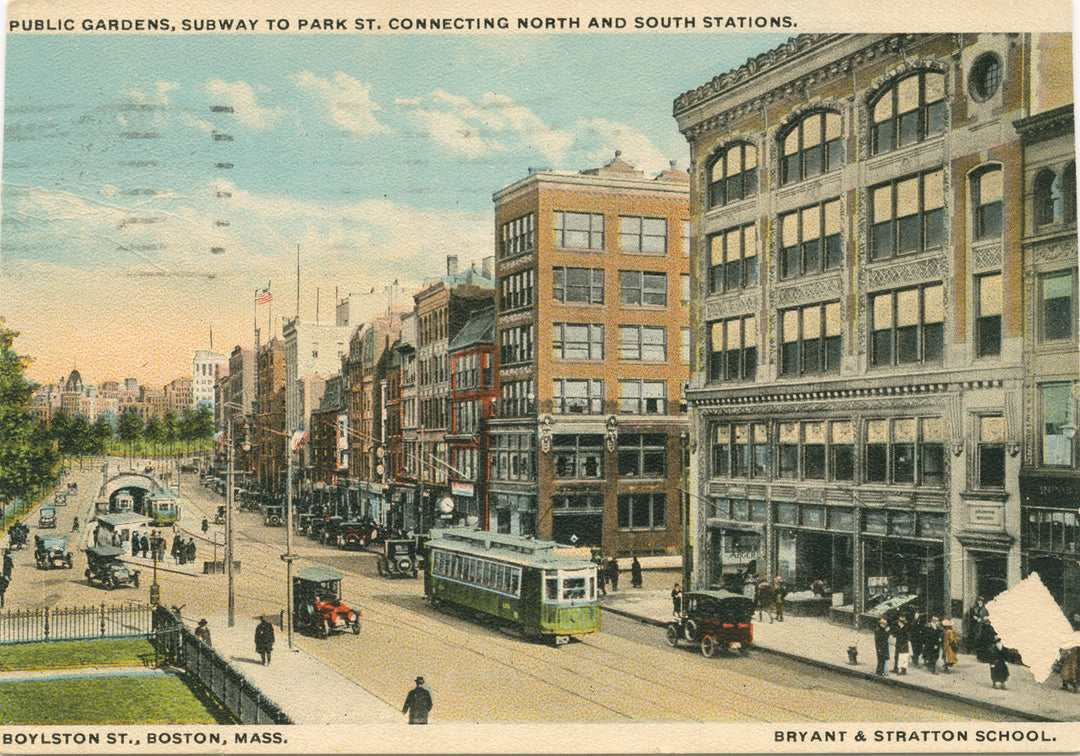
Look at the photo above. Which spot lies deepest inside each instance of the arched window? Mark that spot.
(733, 175)
(815, 145)
(910, 111)
(1048, 200)
(986, 203)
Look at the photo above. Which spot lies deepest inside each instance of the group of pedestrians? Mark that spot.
(148, 546)
(918, 641)
(183, 549)
(607, 572)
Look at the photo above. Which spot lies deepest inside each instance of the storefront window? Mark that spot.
(787, 514)
(1059, 428)
(740, 510)
(813, 516)
(842, 519)
(759, 511)
(877, 521)
(902, 523)
(789, 450)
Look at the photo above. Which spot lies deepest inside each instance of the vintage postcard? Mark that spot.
(573, 377)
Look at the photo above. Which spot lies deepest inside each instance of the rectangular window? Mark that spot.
(841, 450)
(515, 345)
(991, 451)
(877, 451)
(518, 236)
(907, 215)
(517, 398)
(584, 285)
(788, 450)
(642, 511)
(991, 306)
(647, 235)
(642, 455)
(686, 238)
(906, 451)
(908, 325)
(733, 259)
(578, 341)
(810, 339)
(1059, 424)
(577, 397)
(1057, 310)
(642, 397)
(986, 195)
(644, 343)
(642, 287)
(579, 230)
(721, 451)
(518, 290)
(733, 349)
(810, 240)
(578, 455)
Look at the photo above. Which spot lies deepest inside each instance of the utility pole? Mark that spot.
(288, 555)
(229, 525)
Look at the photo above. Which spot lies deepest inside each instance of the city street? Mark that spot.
(476, 672)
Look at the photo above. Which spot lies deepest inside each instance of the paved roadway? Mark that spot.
(479, 673)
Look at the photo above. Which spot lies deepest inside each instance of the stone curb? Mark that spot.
(842, 669)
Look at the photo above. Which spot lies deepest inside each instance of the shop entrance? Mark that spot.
(806, 556)
(990, 573)
(584, 529)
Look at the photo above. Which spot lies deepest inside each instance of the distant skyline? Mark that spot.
(376, 155)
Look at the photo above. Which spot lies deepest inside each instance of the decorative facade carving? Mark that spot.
(905, 273)
(987, 258)
(808, 292)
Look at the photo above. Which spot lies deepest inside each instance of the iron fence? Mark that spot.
(74, 623)
(178, 646)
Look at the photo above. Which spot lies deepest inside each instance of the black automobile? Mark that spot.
(714, 620)
(104, 567)
(317, 605)
(51, 551)
(399, 558)
(273, 515)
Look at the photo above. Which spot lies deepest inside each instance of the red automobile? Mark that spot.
(317, 604)
(716, 620)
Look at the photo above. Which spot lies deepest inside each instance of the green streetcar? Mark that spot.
(545, 590)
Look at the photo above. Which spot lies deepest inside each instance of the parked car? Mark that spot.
(399, 558)
(317, 604)
(219, 518)
(716, 620)
(51, 551)
(274, 515)
(17, 535)
(103, 566)
(331, 530)
(47, 517)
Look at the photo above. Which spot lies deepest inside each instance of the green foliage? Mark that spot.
(28, 458)
(135, 699)
(130, 426)
(67, 654)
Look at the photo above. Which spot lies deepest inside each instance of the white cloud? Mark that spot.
(347, 102)
(241, 97)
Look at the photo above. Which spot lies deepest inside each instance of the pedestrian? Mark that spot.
(9, 564)
(780, 590)
(949, 646)
(601, 578)
(635, 573)
(190, 554)
(418, 703)
(980, 632)
(881, 645)
(613, 573)
(931, 647)
(676, 599)
(177, 546)
(762, 599)
(75, 524)
(202, 631)
(264, 640)
(205, 526)
(144, 545)
(134, 544)
(918, 630)
(999, 667)
(1070, 668)
(902, 644)
(4, 582)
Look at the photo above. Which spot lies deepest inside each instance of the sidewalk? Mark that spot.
(306, 689)
(824, 644)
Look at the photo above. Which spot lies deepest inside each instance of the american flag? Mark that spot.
(299, 439)
(264, 296)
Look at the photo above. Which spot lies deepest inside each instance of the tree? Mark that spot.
(28, 458)
(102, 431)
(154, 430)
(130, 426)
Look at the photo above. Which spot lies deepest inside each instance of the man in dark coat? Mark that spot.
(144, 545)
(134, 544)
(264, 639)
(902, 645)
(881, 645)
(4, 581)
(613, 573)
(931, 647)
(635, 573)
(418, 703)
(918, 630)
(9, 563)
(676, 599)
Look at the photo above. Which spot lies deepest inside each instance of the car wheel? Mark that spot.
(743, 649)
(113, 583)
(709, 647)
(673, 635)
(691, 631)
(324, 629)
(87, 574)
(356, 626)
(67, 561)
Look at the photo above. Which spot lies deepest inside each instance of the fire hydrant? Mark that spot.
(852, 654)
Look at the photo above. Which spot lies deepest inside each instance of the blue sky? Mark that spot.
(377, 155)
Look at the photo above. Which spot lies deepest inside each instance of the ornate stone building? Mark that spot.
(858, 374)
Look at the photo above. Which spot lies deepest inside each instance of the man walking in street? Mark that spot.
(418, 703)
(932, 645)
(264, 640)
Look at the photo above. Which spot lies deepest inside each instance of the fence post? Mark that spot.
(102, 619)
(46, 610)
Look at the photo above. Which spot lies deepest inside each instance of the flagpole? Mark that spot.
(255, 321)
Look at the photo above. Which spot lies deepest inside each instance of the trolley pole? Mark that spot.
(288, 555)
(229, 526)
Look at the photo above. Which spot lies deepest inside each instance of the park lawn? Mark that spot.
(118, 652)
(149, 699)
